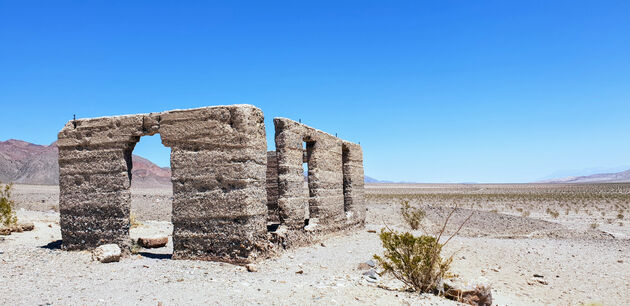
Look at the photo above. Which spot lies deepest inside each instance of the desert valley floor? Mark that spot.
(577, 237)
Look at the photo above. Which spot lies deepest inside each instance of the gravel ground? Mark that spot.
(578, 267)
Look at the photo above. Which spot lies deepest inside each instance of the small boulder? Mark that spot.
(363, 266)
(474, 293)
(107, 253)
(153, 242)
(16, 228)
(5, 231)
(26, 226)
(371, 274)
(251, 268)
(371, 263)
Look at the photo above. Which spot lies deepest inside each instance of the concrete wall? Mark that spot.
(218, 161)
(328, 202)
(226, 186)
(272, 188)
(353, 183)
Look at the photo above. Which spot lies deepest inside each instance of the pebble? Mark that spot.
(371, 273)
(251, 268)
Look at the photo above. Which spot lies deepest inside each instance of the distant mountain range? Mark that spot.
(616, 177)
(373, 180)
(27, 163)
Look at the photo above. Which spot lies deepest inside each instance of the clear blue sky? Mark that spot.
(441, 91)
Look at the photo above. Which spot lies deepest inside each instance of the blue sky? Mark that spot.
(442, 91)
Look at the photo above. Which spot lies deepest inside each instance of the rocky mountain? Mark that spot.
(27, 163)
(147, 174)
(23, 162)
(617, 177)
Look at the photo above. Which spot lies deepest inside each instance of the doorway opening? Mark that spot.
(309, 210)
(345, 171)
(151, 198)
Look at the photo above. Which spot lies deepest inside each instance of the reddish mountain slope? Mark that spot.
(27, 163)
(147, 174)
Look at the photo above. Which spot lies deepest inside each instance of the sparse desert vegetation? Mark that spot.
(514, 232)
(7, 212)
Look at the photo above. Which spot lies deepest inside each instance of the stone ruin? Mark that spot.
(232, 200)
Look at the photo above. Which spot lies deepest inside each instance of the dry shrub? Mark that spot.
(133, 221)
(417, 260)
(412, 215)
(7, 205)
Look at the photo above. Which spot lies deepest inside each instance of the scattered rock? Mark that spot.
(5, 231)
(369, 279)
(107, 253)
(371, 274)
(27, 226)
(251, 268)
(322, 244)
(535, 281)
(620, 261)
(474, 293)
(18, 228)
(538, 275)
(300, 272)
(154, 242)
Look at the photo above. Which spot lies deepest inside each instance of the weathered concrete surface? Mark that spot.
(272, 188)
(353, 183)
(331, 193)
(226, 186)
(218, 161)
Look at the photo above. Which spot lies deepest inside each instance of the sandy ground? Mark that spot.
(579, 264)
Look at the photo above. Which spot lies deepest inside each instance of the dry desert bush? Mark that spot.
(7, 205)
(416, 261)
(592, 202)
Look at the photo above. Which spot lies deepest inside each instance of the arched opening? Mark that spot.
(151, 198)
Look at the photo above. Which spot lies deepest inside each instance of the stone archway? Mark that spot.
(218, 160)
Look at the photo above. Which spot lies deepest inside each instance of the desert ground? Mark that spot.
(576, 238)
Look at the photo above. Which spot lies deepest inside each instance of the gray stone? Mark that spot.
(371, 273)
(107, 253)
